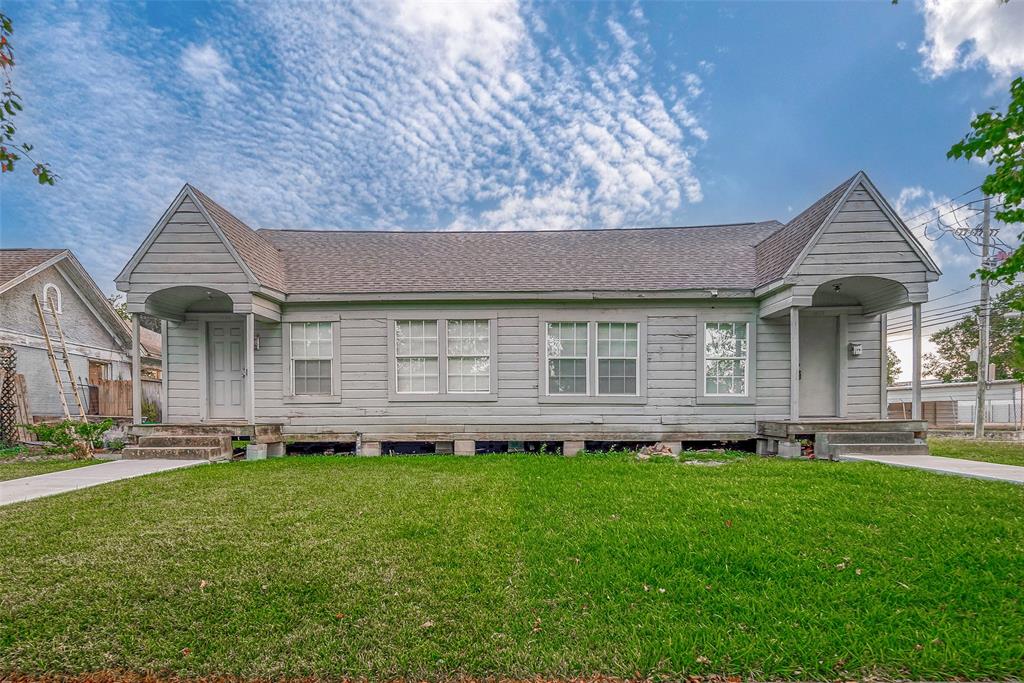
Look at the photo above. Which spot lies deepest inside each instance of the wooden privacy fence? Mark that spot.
(114, 396)
(936, 413)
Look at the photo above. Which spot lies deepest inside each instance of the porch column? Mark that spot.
(136, 372)
(250, 368)
(915, 381)
(794, 363)
(164, 353)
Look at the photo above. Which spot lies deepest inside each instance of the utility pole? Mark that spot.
(983, 323)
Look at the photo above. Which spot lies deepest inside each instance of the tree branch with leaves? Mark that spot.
(12, 150)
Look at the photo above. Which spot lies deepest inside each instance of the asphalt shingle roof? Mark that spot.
(733, 256)
(16, 262)
(777, 252)
(648, 259)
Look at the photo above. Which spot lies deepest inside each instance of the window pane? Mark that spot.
(312, 340)
(417, 375)
(567, 340)
(567, 376)
(312, 376)
(416, 337)
(469, 374)
(616, 340)
(616, 377)
(469, 337)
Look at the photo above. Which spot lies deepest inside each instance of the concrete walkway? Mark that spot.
(963, 468)
(28, 488)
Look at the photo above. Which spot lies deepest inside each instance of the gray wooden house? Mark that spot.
(704, 333)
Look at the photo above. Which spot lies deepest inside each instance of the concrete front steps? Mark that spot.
(180, 447)
(897, 442)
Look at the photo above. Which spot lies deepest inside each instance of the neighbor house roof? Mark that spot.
(151, 342)
(14, 263)
(18, 265)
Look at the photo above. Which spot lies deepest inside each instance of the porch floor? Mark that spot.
(791, 429)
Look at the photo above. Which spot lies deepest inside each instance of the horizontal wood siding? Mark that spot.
(864, 393)
(670, 409)
(187, 252)
(183, 371)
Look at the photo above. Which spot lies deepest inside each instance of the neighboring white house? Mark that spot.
(1004, 404)
(677, 334)
(98, 340)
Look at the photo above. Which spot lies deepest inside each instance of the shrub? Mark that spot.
(70, 436)
(116, 444)
(150, 411)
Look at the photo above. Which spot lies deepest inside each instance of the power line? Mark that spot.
(948, 201)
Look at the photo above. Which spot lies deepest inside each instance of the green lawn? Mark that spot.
(519, 566)
(1006, 452)
(16, 469)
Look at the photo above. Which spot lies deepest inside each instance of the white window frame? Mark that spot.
(288, 381)
(587, 379)
(591, 319)
(597, 353)
(463, 357)
(750, 379)
(442, 317)
(46, 299)
(437, 354)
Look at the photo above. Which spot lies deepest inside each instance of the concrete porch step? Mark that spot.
(185, 441)
(837, 438)
(838, 450)
(175, 453)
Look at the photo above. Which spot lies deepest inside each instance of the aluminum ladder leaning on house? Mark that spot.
(62, 386)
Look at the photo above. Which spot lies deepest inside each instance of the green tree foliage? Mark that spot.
(955, 343)
(12, 150)
(894, 366)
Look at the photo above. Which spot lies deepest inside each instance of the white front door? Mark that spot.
(819, 367)
(226, 369)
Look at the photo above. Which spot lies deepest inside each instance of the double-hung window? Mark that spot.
(726, 358)
(416, 361)
(444, 359)
(312, 356)
(592, 360)
(469, 356)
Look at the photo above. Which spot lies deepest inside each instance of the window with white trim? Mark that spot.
(726, 358)
(312, 354)
(567, 356)
(617, 359)
(51, 297)
(417, 367)
(469, 356)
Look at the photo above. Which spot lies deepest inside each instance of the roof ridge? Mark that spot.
(427, 231)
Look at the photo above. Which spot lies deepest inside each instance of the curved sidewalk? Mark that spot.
(52, 483)
(963, 468)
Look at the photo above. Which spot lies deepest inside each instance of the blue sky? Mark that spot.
(506, 115)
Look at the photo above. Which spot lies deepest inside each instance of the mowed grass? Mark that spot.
(16, 469)
(514, 565)
(1005, 452)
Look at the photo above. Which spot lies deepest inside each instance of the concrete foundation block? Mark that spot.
(369, 448)
(445, 447)
(571, 448)
(465, 447)
(767, 447)
(674, 446)
(256, 451)
(789, 449)
(275, 449)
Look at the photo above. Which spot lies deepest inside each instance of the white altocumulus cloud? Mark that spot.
(961, 34)
(388, 115)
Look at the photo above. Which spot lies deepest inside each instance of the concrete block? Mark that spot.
(444, 447)
(465, 447)
(369, 448)
(789, 449)
(275, 449)
(571, 448)
(674, 446)
(256, 451)
(767, 446)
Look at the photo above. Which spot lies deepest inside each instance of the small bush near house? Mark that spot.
(78, 439)
(115, 444)
(150, 411)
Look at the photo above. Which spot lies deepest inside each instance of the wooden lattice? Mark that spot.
(8, 402)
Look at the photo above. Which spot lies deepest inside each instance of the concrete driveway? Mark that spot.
(963, 468)
(28, 488)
